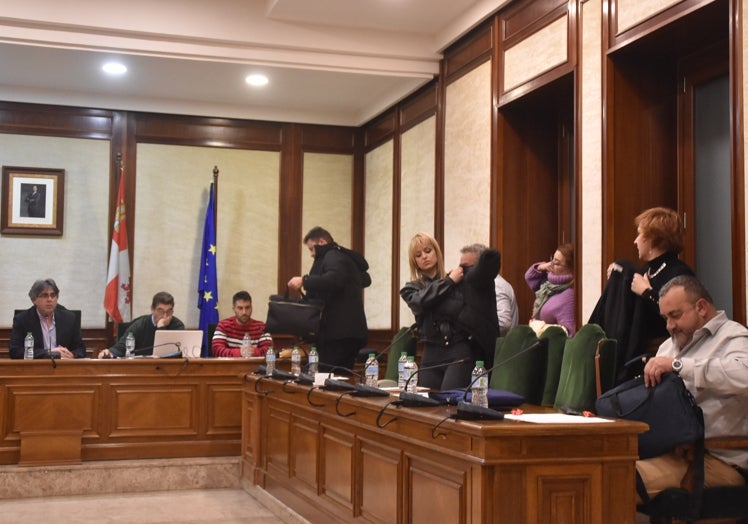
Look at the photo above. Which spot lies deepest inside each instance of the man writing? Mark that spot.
(710, 353)
(229, 334)
(144, 327)
(56, 330)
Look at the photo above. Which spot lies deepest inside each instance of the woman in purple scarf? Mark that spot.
(552, 283)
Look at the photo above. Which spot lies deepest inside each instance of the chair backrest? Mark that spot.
(520, 370)
(556, 337)
(404, 340)
(76, 312)
(121, 328)
(588, 352)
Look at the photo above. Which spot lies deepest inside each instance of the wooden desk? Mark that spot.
(335, 468)
(79, 410)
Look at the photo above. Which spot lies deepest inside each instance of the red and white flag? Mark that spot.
(117, 296)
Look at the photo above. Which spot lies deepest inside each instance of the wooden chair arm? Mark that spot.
(737, 442)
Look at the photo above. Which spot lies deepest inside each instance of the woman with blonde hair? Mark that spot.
(455, 311)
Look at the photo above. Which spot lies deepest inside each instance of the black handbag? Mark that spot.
(294, 316)
(669, 409)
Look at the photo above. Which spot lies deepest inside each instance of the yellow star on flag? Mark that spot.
(208, 296)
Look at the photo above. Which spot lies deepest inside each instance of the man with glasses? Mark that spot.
(144, 327)
(56, 330)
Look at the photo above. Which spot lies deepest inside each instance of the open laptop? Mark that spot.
(167, 342)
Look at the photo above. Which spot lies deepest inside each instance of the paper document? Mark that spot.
(555, 418)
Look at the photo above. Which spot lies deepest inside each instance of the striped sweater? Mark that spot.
(227, 339)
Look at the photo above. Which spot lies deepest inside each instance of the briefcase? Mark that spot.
(294, 316)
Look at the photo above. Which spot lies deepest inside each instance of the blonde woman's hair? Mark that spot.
(417, 243)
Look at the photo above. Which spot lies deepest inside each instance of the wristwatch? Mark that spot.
(677, 365)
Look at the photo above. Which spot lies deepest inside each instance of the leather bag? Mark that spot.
(294, 316)
(669, 409)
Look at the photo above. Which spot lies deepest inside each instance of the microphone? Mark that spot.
(469, 411)
(332, 384)
(414, 400)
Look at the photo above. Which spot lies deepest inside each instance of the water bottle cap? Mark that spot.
(479, 363)
(404, 354)
(411, 359)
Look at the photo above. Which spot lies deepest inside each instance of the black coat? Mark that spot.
(67, 327)
(633, 321)
(447, 312)
(337, 277)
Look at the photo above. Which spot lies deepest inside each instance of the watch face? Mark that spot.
(677, 364)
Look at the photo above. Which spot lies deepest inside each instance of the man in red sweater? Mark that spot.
(227, 339)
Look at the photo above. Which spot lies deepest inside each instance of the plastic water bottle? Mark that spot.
(372, 370)
(246, 349)
(401, 377)
(270, 361)
(129, 346)
(411, 368)
(28, 346)
(296, 361)
(479, 388)
(313, 361)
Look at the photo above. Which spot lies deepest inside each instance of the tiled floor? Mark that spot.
(227, 506)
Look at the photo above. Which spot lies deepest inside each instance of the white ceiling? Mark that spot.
(329, 61)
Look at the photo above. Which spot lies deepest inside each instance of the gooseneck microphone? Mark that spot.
(469, 411)
(332, 384)
(414, 400)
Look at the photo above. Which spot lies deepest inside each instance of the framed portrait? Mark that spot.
(33, 201)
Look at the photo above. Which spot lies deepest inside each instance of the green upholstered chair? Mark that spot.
(556, 337)
(519, 370)
(588, 368)
(404, 340)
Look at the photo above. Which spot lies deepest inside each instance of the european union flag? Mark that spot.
(207, 286)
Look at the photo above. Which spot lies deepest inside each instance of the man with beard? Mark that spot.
(337, 277)
(229, 334)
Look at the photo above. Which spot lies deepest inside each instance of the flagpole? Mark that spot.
(215, 199)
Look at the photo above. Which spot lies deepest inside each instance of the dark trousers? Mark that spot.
(340, 353)
(447, 376)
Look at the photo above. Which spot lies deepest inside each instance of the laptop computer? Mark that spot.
(168, 342)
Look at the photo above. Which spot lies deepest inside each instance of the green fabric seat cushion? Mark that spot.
(577, 387)
(556, 337)
(520, 370)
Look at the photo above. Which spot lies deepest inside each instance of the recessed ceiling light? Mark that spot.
(256, 80)
(114, 68)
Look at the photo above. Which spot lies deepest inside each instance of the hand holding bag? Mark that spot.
(673, 416)
(294, 316)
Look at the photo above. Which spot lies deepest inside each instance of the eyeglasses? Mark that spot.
(162, 311)
(47, 295)
(557, 263)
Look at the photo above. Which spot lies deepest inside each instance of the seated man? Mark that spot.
(144, 327)
(710, 353)
(56, 330)
(506, 305)
(227, 339)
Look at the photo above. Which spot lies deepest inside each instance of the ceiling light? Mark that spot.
(114, 68)
(256, 80)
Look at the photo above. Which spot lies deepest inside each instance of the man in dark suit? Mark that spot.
(56, 330)
(338, 277)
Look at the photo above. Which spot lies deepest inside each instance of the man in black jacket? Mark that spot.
(337, 277)
(56, 330)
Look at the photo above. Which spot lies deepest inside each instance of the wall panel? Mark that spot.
(77, 260)
(467, 162)
(378, 242)
(171, 196)
(327, 199)
(417, 195)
